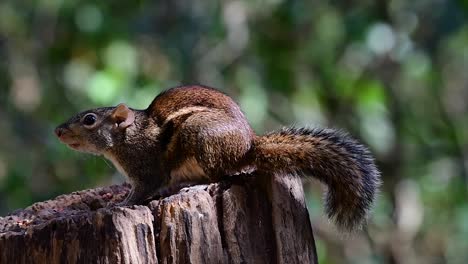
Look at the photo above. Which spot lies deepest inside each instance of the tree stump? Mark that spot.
(252, 219)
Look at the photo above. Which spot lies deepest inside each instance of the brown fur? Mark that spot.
(197, 133)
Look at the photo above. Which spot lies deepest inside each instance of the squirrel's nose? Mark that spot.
(59, 131)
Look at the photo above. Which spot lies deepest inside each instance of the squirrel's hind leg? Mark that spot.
(208, 137)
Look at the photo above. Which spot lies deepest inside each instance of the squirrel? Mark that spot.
(192, 133)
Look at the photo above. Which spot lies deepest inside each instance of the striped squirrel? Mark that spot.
(192, 133)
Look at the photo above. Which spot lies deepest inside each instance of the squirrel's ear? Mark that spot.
(123, 116)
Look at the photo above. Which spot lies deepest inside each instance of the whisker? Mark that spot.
(107, 163)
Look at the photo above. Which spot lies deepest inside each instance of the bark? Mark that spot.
(245, 220)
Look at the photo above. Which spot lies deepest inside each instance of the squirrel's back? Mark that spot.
(188, 99)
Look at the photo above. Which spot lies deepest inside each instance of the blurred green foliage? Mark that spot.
(393, 73)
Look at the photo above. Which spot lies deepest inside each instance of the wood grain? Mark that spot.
(253, 219)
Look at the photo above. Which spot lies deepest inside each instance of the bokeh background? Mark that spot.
(392, 73)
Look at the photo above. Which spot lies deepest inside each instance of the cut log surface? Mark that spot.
(251, 220)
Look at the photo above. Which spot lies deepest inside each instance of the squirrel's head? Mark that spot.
(98, 130)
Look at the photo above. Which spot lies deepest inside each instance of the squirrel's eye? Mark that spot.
(89, 119)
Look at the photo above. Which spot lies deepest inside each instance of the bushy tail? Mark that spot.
(343, 164)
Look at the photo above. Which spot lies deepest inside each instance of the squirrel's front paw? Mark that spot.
(126, 201)
(119, 204)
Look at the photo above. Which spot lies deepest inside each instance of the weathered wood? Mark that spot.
(253, 220)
